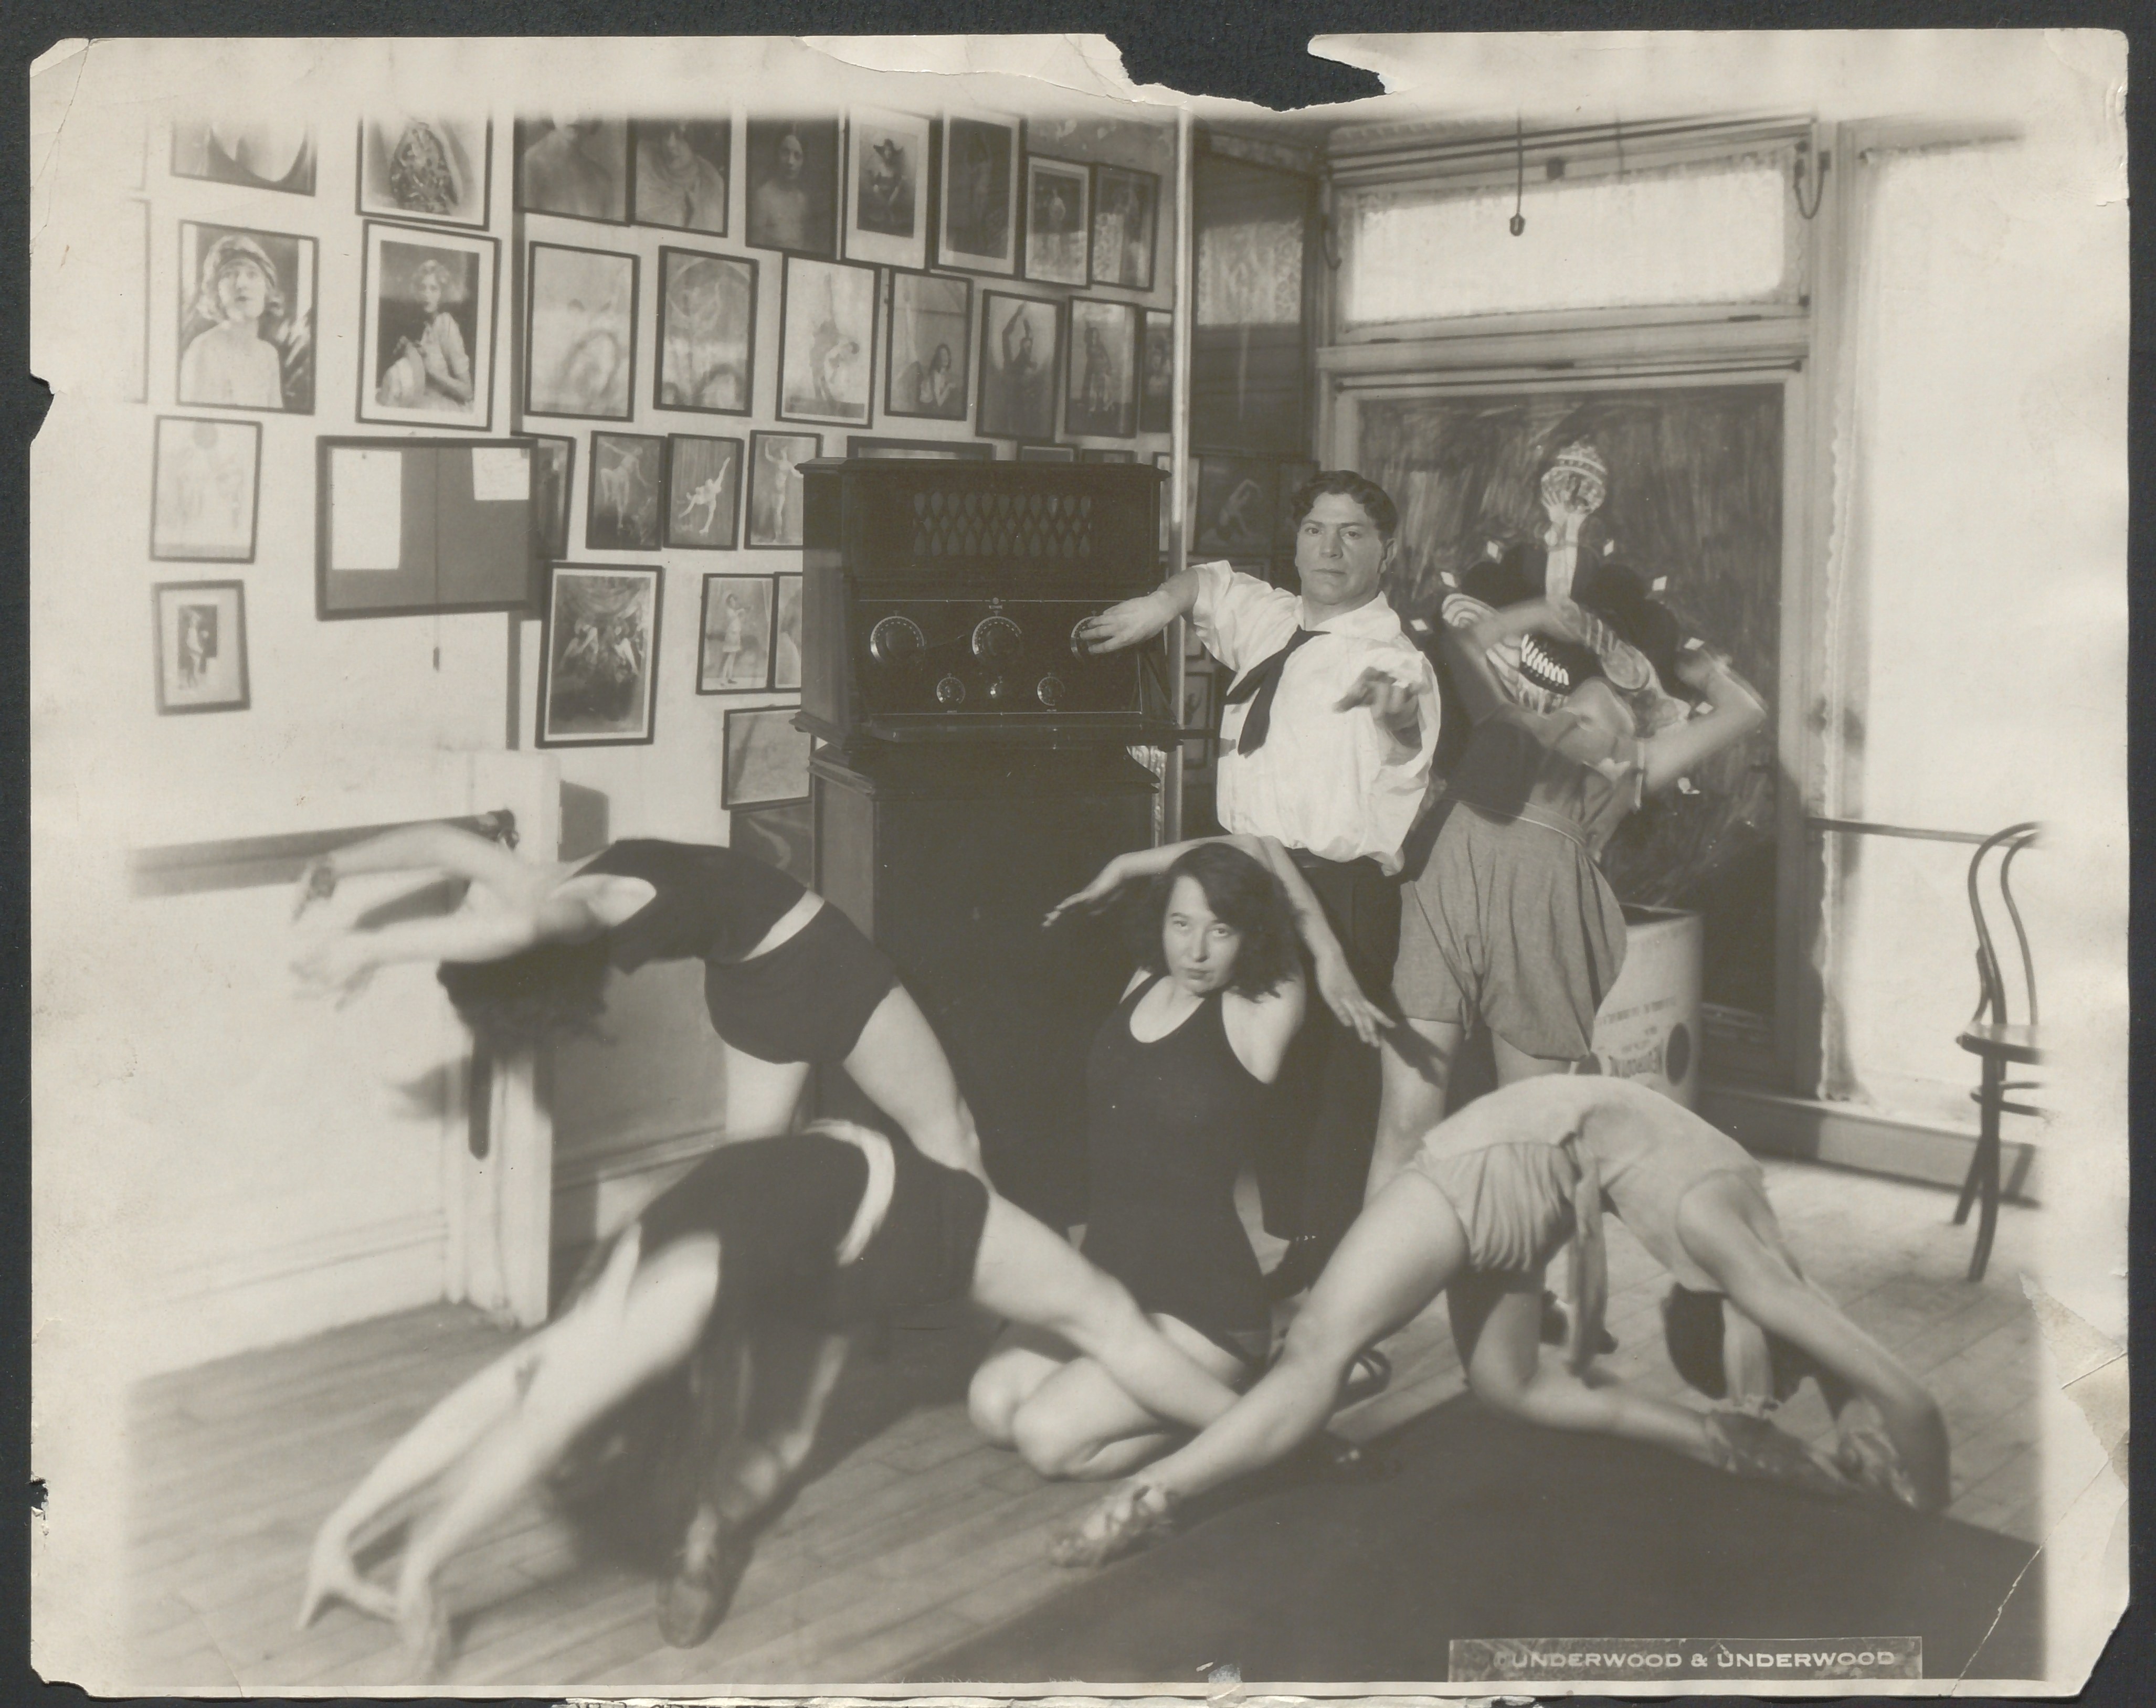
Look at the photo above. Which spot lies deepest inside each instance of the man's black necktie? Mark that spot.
(1259, 688)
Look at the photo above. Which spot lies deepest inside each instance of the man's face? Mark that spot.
(1339, 553)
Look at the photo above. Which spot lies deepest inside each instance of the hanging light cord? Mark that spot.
(1519, 222)
(1819, 179)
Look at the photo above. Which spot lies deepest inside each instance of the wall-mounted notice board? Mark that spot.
(411, 526)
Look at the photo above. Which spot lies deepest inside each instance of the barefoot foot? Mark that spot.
(1122, 1521)
(707, 1570)
(423, 1623)
(331, 1573)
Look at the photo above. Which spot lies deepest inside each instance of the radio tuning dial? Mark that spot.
(996, 640)
(950, 691)
(896, 640)
(1049, 691)
(1079, 649)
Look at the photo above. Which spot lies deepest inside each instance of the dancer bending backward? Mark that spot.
(1179, 1080)
(1485, 1203)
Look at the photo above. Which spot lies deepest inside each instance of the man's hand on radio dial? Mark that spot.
(1127, 625)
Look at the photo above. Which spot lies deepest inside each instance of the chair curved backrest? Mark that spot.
(1993, 994)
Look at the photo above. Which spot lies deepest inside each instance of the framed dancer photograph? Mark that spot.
(733, 654)
(247, 319)
(826, 341)
(774, 485)
(793, 167)
(703, 492)
(256, 153)
(978, 229)
(928, 363)
(886, 181)
(1021, 344)
(766, 759)
(573, 166)
(684, 169)
(786, 637)
(201, 629)
(433, 170)
(627, 487)
(1236, 505)
(1101, 399)
(598, 656)
(205, 491)
(1058, 216)
(1156, 371)
(553, 480)
(1126, 227)
(580, 333)
(706, 333)
(426, 341)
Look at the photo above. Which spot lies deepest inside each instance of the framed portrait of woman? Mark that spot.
(598, 656)
(426, 340)
(1101, 400)
(432, 170)
(1125, 226)
(706, 332)
(204, 490)
(826, 341)
(734, 655)
(928, 372)
(202, 646)
(580, 332)
(766, 759)
(573, 166)
(886, 185)
(978, 229)
(774, 485)
(1021, 341)
(793, 172)
(247, 319)
(622, 511)
(684, 170)
(703, 492)
(1058, 217)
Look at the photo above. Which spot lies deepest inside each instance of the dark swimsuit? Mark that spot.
(1170, 1124)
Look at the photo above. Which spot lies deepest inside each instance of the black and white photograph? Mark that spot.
(627, 499)
(436, 169)
(574, 165)
(1157, 371)
(1021, 346)
(981, 185)
(793, 169)
(735, 654)
(1237, 498)
(766, 758)
(553, 484)
(257, 150)
(703, 491)
(786, 637)
(599, 656)
(774, 485)
(827, 342)
(1126, 227)
(205, 477)
(684, 167)
(580, 332)
(930, 357)
(1200, 718)
(202, 646)
(1058, 220)
(426, 302)
(1102, 399)
(886, 187)
(706, 332)
(247, 319)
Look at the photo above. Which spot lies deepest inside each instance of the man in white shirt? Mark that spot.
(1326, 742)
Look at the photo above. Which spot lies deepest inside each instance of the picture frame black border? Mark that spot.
(173, 168)
(1056, 359)
(785, 302)
(1083, 169)
(837, 196)
(401, 217)
(179, 350)
(1065, 454)
(659, 330)
(158, 591)
(1198, 461)
(770, 638)
(531, 248)
(927, 205)
(949, 263)
(636, 125)
(782, 578)
(156, 463)
(951, 450)
(539, 736)
(517, 145)
(1201, 734)
(325, 444)
(365, 392)
(1153, 237)
(568, 494)
(1146, 316)
(1134, 353)
(592, 473)
(748, 491)
(890, 409)
(727, 802)
(666, 540)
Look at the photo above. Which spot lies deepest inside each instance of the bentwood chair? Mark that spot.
(1994, 1039)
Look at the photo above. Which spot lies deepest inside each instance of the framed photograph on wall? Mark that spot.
(932, 450)
(1236, 505)
(826, 341)
(247, 319)
(580, 333)
(1047, 453)
(774, 485)
(1157, 371)
(886, 181)
(978, 229)
(554, 478)
(928, 371)
(426, 327)
(436, 170)
(1057, 219)
(703, 492)
(628, 489)
(598, 655)
(684, 167)
(1126, 227)
(205, 491)
(706, 333)
(260, 153)
(793, 166)
(1293, 477)
(782, 836)
(201, 630)
(734, 654)
(786, 636)
(1021, 338)
(1165, 461)
(766, 759)
(1200, 717)
(1101, 401)
(573, 166)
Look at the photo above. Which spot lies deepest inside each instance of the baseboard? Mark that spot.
(1848, 1137)
(596, 1192)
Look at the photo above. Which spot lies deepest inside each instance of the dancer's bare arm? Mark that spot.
(441, 847)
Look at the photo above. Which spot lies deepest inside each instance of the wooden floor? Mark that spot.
(909, 1534)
